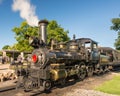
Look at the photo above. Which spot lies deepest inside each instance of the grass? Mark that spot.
(111, 87)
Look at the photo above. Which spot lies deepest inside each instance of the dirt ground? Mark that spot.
(87, 84)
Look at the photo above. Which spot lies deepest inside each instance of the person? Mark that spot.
(3, 60)
(89, 53)
(19, 59)
(0, 59)
(111, 57)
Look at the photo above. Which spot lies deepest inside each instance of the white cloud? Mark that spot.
(27, 11)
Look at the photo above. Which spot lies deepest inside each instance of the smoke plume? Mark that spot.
(27, 11)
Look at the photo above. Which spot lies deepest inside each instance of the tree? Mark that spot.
(53, 31)
(20, 36)
(116, 27)
(1, 53)
(57, 32)
(6, 47)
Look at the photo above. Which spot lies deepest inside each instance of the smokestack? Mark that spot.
(43, 30)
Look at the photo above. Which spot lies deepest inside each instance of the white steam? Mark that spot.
(27, 11)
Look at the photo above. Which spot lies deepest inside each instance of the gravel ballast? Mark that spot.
(84, 92)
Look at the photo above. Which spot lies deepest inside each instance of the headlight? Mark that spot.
(34, 58)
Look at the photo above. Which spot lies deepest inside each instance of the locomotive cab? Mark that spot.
(90, 49)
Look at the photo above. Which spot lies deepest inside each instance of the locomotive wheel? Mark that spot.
(62, 82)
(47, 84)
(106, 69)
(90, 71)
(100, 71)
(82, 71)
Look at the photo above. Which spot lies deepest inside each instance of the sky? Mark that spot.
(84, 18)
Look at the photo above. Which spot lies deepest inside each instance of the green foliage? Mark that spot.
(116, 24)
(117, 42)
(111, 87)
(0, 53)
(116, 27)
(20, 36)
(56, 32)
(53, 31)
(6, 47)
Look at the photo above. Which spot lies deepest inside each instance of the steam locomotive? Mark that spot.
(76, 58)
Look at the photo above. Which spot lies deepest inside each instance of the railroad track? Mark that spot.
(10, 88)
(7, 88)
(7, 85)
(12, 91)
(56, 90)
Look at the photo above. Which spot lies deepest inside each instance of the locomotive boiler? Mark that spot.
(76, 58)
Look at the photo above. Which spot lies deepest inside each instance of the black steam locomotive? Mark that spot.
(76, 58)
